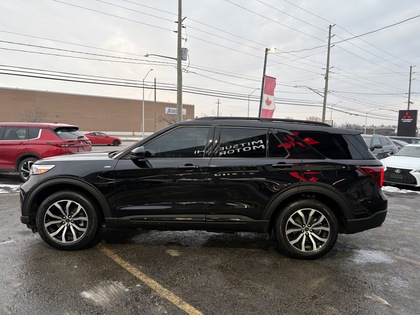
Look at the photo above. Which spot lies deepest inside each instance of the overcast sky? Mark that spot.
(226, 40)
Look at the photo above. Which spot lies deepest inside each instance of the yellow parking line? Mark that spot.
(159, 289)
(415, 262)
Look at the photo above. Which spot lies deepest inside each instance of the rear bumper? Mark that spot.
(373, 221)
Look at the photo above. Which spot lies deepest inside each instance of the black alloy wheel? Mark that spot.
(306, 229)
(67, 220)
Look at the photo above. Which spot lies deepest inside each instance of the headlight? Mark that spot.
(40, 169)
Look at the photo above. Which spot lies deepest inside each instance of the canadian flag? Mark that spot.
(268, 103)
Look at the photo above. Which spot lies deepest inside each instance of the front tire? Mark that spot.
(67, 220)
(116, 143)
(306, 229)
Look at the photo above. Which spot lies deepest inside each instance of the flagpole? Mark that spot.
(263, 81)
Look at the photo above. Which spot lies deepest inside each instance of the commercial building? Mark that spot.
(113, 115)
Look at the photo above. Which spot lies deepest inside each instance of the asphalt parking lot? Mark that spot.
(151, 272)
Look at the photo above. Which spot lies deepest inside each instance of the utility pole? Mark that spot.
(409, 89)
(154, 116)
(218, 105)
(179, 65)
(327, 72)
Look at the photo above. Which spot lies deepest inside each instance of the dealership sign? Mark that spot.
(407, 123)
(173, 111)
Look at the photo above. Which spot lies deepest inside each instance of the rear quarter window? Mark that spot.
(332, 145)
(34, 132)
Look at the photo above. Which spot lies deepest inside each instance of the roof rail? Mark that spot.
(308, 122)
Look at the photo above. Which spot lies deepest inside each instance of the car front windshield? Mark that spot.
(411, 151)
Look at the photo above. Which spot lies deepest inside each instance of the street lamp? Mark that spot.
(178, 81)
(309, 88)
(267, 50)
(249, 97)
(332, 110)
(161, 56)
(142, 109)
(379, 108)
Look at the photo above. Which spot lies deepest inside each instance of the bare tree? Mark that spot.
(169, 119)
(313, 118)
(33, 114)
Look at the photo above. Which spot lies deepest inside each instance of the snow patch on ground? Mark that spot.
(392, 189)
(371, 256)
(6, 189)
(105, 293)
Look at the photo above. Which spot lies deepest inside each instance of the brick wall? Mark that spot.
(88, 112)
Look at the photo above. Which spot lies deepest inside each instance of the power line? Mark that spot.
(379, 29)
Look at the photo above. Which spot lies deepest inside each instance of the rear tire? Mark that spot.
(25, 168)
(306, 229)
(67, 220)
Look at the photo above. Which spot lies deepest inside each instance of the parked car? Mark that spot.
(305, 182)
(101, 138)
(403, 168)
(381, 146)
(399, 143)
(406, 139)
(22, 143)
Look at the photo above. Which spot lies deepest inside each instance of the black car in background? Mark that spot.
(304, 182)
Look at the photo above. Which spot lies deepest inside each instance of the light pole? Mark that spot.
(249, 95)
(332, 110)
(178, 82)
(367, 115)
(267, 50)
(142, 108)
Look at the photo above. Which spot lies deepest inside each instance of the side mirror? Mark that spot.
(376, 146)
(138, 154)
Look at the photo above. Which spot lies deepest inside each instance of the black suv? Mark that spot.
(304, 181)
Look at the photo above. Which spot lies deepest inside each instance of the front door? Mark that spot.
(170, 186)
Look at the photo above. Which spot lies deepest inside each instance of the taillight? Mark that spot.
(59, 144)
(376, 172)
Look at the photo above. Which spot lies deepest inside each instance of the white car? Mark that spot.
(403, 167)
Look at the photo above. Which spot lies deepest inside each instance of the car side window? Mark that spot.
(296, 147)
(333, 146)
(241, 142)
(385, 141)
(183, 142)
(15, 133)
(375, 141)
(34, 132)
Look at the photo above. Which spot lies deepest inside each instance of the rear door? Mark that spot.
(13, 142)
(248, 168)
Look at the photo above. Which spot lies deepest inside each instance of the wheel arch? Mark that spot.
(25, 156)
(35, 197)
(323, 193)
